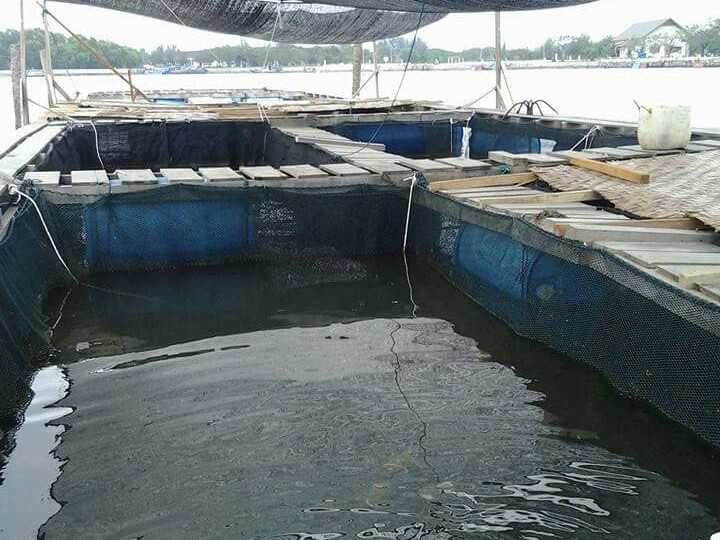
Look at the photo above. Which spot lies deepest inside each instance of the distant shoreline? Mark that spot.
(613, 63)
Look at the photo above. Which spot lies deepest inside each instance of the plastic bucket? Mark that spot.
(664, 127)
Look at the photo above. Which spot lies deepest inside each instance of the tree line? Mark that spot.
(704, 40)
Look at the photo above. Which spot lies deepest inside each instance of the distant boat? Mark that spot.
(184, 70)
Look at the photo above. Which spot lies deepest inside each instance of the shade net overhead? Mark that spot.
(334, 21)
(285, 23)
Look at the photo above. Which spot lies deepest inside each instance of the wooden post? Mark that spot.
(46, 59)
(23, 66)
(132, 88)
(46, 72)
(356, 68)
(499, 102)
(377, 69)
(16, 84)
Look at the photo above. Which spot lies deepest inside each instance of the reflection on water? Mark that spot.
(300, 403)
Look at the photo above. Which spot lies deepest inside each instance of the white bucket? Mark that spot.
(664, 127)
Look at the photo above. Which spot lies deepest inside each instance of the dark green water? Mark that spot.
(305, 401)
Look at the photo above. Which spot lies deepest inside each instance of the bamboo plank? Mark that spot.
(484, 181)
(615, 171)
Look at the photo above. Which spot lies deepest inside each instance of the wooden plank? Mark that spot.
(543, 160)
(693, 148)
(565, 154)
(381, 166)
(689, 276)
(424, 165)
(614, 171)
(690, 247)
(16, 159)
(651, 153)
(615, 153)
(651, 259)
(689, 224)
(340, 142)
(490, 190)
(262, 173)
(43, 178)
(507, 158)
(79, 178)
(465, 164)
(710, 290)
(484, 181)
(303, 171)
(541, 198)
(604, 233)
(343, 169)
(136, 176)
(219, 174)
(181, 175)
(710, 143)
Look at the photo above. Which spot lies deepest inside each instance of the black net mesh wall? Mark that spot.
(654, 342)
(154, 145)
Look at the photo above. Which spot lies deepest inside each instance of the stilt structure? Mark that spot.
(16, 85)
(377, 69)
(23, 67)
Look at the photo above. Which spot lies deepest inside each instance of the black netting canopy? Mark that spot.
(334, 21)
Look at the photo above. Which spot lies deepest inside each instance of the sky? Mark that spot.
(455, 32)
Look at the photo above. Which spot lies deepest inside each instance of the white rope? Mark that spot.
(586, 138)
(413, 181)
(15, 191)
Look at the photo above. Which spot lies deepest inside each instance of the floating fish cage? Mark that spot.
(470, 193)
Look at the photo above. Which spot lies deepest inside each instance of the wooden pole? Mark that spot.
(46, 72)
(16, 84)
(132, 88)
(377, 69)
(47, 57)
(23, 66)
(101, 58)
(356, 68)
(499, 102)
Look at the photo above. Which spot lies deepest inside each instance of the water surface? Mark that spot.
(305, 401)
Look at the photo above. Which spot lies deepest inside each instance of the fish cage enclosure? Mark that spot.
(236, 226)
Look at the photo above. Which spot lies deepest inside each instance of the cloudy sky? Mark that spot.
(456, 32)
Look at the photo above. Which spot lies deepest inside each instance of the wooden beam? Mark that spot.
(506, 158)
(688, 224)
(604, 233)
(690, 276)
(614, 171)
(16, 85)
(584, 195)
(484, 181)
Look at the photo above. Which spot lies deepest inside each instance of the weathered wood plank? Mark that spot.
(484, 181)
(587, 154)
(689, 276)
(543, 160)
(181, 175)
(262, 173)
(604, 233)
(640, 150)
(710, 143)
(381, 166)
(673, 247)
(43, 178)
(342, 169)
(615, 153)
(652, 259)
(614, 171)
(16, 159)
(79, 178)
(219, 174)
(711, 291)
(541, 198)
(424, 165)
(509, 159)
(465, 164)
(136, 176)
(303, 171)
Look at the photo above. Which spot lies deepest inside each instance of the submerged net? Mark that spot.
(334, 21)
